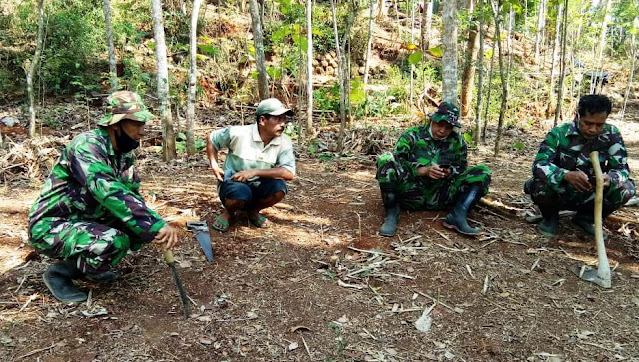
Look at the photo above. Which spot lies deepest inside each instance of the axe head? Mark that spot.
(591, 275)
(201, 231)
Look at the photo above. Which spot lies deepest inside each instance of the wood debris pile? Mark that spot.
(30, 159)
(365, 141)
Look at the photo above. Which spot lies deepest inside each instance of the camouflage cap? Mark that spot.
(125, 105)
(447, 112)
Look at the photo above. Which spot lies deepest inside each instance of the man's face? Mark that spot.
(591, 125)
(273, 125)
(441, 129)
(133, 129)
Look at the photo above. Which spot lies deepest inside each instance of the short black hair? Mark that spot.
(594, 104)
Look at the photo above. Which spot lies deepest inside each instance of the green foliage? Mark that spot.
(326, 98)
(180, 143)
(518, 146)
(135, 78)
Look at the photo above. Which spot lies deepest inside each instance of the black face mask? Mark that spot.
(124, 142)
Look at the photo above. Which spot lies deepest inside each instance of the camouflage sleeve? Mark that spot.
(544, 167)
(618, 169)
(460, 150)
(88, 164)
(404, 151)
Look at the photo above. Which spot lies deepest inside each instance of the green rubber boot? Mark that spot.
(389, 227)
(59, 279)
(457, 219)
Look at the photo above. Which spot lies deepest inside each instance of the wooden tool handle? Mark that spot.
(168, 257)
(603, 270)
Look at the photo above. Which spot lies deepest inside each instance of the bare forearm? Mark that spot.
(211, 152)
(275, 173)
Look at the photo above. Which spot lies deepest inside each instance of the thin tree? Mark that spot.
(340, 47)
(258, 40)
(490, 88)
(555, 54)
(168, 133)
(562, 64)
(113, 72)
(190, 103)
(468, 75)
(541, 24)
(32, 67)
(369, 43)
(427, 20)
(633, 56)
(602, 45)
(502, 75)
(480, 81)
(449, 58)
(309, 68)
(412, 41)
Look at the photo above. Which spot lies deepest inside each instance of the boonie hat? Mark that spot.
(447, 112)
(125, 105)
(272, 107)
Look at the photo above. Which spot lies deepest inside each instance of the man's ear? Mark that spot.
(262, 121)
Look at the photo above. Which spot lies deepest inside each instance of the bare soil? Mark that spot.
(322, 285)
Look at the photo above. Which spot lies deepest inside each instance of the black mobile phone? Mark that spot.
(444, 166)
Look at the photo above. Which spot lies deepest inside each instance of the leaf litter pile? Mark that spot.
(321, 284)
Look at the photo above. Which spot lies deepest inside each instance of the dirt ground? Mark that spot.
(322, 285)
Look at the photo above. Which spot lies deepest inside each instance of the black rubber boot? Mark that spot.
(391, 205)
(586, 223)
(59, 279)
(549, 222)
(457, 219)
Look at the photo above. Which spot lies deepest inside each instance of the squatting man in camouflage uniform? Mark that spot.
(259, 162)
(562, 173)
(427, 170)
(90, 213)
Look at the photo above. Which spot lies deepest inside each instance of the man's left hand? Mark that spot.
(244, 175)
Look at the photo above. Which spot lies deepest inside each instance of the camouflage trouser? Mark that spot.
(570, 199)
(96, 246)
(421, 193)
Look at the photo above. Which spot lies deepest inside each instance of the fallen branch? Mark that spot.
(41, 350)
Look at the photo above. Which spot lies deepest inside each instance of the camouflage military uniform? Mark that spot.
(417, 148)
(564, 150)
(90, 206)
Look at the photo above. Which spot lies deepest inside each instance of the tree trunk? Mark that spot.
(190, 104)
(32, 68)
(555, 53)
(113, 72)
(168, 133)
(340, 76)
(480, 81)
(541, 24)
(468, 77)
(602, 45)
(309, 68)
(449, 58)
(490, 88)
(369, 43)
(502, 75)
(411, 87)
(633, 56)
(562, 65)
(256, 26)
(427, 20)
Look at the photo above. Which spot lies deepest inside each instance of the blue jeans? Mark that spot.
(251, 191)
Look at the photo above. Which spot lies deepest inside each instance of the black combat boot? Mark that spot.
(391, 205)
(107, 276)
(456, 220)
(549, 222)
(59, 279)
(584, 220)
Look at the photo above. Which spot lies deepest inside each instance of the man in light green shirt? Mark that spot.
(259, 162)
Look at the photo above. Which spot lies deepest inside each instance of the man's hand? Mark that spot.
(217, 171)
(244, 175)
(168, 236)
(434, 172)
(579, 180)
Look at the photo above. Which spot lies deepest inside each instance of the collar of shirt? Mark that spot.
(257, 138)
(103, 133)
